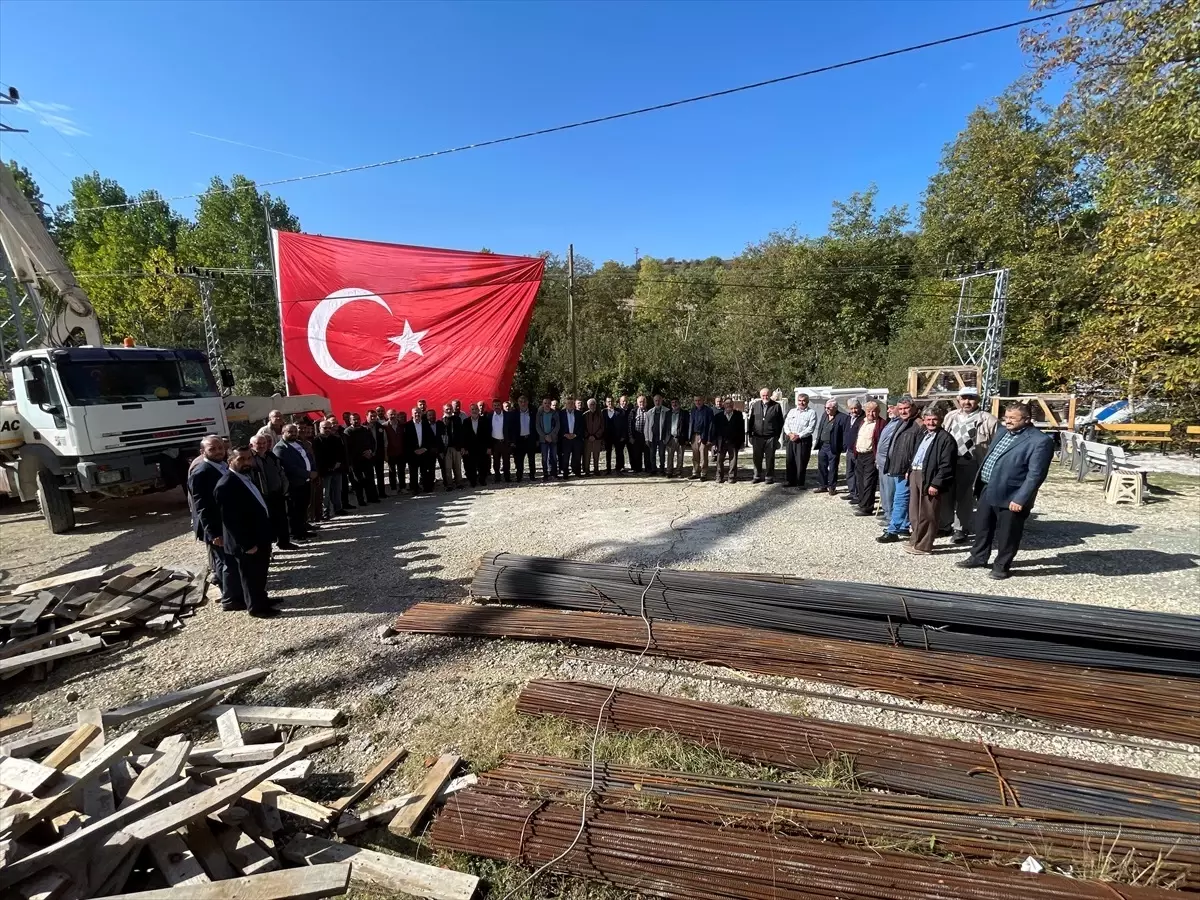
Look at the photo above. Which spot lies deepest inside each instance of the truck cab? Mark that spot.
(109, 420)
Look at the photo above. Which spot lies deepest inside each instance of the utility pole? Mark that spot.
(571, 316)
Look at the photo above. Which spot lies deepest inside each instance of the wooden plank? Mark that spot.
(90, 834)
(176, 862)
(282, 798)
(12, 724)
(74, 648)
(352, 823)
(410, 817)
(36, 608)
(35, 742)
(295, 773)
(164, 701)
(169, 721)
(47, 886)
(392, 872)
(162, 771)
(128, 578)
(372, 778)
(246, 854)
(281, 716)
(313, 883)
(16, 648)
(111, 868)
(199, 839)
(160, 623)
(69, 750)
(211, 799)
(229, 728)
(53, 581)
(207, 754)
(25, 775)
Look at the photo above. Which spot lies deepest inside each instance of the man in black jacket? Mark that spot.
(272, 483)
(765, 426)
(330, 450)
(616, 433)
(475, 444)
(206, 470)
(729, 435)
(637, 436)
(896, 464)
(830, 442)
(521, 434)
(246, 530)
(450, 430)
(378, 427)
(299, 470)
(930, 479)
(423, 443)
(360, 448)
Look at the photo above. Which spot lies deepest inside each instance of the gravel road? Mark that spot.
(436, 693)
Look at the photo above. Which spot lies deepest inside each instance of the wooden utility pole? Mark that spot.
(571, 316)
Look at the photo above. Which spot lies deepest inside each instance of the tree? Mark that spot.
(29, 187)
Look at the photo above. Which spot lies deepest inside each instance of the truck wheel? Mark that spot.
(57, 507)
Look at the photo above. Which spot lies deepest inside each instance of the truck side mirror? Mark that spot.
(227, 378)
(38, 395)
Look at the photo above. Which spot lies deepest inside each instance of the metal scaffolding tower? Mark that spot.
(978, 336)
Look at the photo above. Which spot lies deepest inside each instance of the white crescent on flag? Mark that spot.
(318, 324)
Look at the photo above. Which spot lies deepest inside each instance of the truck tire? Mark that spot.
(57, 507)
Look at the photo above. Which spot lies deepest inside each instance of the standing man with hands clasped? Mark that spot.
(1007, 485)
(246, 531)
(973, 429)
(931, 481)
(799, 428)
(765, 427)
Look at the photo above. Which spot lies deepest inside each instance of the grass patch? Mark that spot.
(504, 878)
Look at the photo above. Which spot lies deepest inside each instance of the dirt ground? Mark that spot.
(434, 694)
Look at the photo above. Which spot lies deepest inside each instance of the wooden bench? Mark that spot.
(1192, 438)
(1139, 433)
(1109, 458)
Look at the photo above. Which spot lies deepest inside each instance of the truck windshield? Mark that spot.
(128, 381)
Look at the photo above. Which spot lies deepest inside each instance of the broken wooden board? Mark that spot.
(313, 883)
(391, 872)
(73, 648)
(372, 778)
(16, 648)
(13, 724)
(54, 581)
(33, 612)
(25, 776)
(229, 728)
(410, 817)
(176, 862)
(281, 716)
(164, 701)
(353, 822)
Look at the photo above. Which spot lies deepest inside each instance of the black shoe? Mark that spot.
(998, 574)
(507, 479)
(945, 532)
(720, 479)
(770, 481)
(820, 490)
(861, 512)
(288, 546)
(961, 537)
(905, 532)
(756, 480)
(693, 477)
(970, 564)
(269, 613)
(348, 506)
(887, 538)
(276, 601)
(233, 607)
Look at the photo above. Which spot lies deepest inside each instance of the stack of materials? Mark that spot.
(123, 799)
(1008, 627)
(882, 760)
(89, 611)
(680, 835)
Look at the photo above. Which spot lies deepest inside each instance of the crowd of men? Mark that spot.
(955, 475)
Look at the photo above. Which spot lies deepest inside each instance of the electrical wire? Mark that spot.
(658, 107)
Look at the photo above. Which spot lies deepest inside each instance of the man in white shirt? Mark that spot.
(798, 428)
(500, 456)
(525, 447)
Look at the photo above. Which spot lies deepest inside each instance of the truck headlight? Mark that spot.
(110, 477)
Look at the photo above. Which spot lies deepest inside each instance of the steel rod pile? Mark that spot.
(1127, 702)
(1015, 628)
(662, 855)
(975, 831)
(885, 760)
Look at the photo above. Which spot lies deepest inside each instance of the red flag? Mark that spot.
(368, 324)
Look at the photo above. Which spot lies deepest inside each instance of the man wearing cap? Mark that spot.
(973, 429)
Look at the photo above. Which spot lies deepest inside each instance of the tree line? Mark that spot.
(1092, 200)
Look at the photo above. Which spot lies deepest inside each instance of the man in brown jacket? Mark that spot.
(593, 434)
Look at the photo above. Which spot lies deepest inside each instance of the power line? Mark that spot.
(658, 107)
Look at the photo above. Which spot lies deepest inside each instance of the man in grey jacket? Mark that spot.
(1007, 486)
(973, 429)
(654, 431)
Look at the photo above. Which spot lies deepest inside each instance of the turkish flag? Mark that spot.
(368, 324)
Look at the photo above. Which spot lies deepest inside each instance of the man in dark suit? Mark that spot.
(360, 449)
(654, 431)
(451, 433)
(1007, 484)
(206, 470)
(930, 480)
(521, 433)
(298, 468)
(729, 434)
(246, 530)
(637, 436)
(475, 441)
(830, 442)
(570, 439)
(378, 427)
(497, 422)
(272, 483)
(423, 444)
(616, 433)
(765, 426)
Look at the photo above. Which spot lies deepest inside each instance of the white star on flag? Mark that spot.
(409, 342)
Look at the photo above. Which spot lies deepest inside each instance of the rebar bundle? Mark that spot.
(974, 831)
(1014, 628)
(884, 760)
(1127, 702)
(660, 855)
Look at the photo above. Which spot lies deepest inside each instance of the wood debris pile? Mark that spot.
(89, 611)
(139, 798)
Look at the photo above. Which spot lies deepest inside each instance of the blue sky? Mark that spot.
(125, 87)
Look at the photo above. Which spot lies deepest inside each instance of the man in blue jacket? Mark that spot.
(1007, 485)
(829, 441)
(702, 437)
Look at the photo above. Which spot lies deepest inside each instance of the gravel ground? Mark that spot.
(434, 693)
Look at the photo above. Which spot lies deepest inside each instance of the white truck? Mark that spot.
(86, 418)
